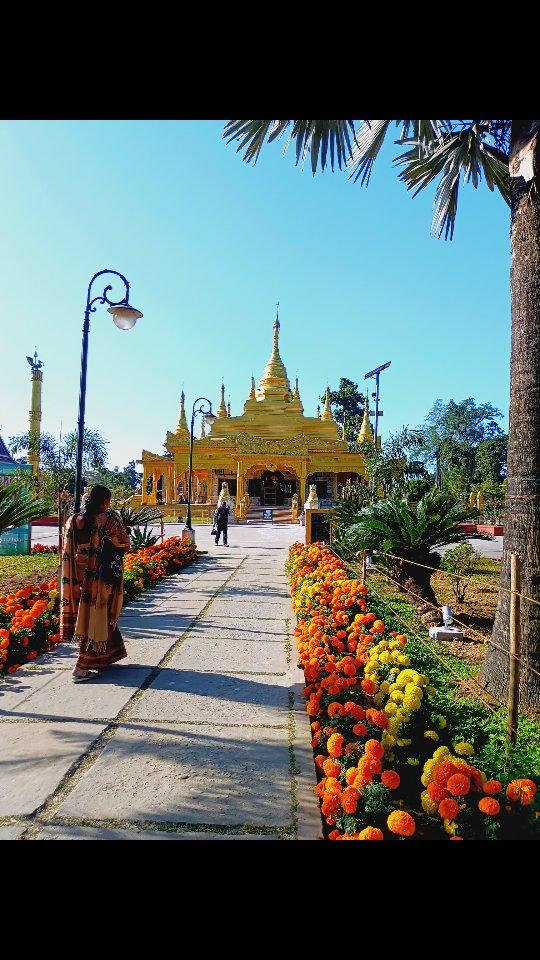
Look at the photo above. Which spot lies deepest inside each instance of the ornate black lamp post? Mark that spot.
(209, 419)
(125, 317)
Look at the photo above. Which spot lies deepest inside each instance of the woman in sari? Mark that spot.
(92, 585)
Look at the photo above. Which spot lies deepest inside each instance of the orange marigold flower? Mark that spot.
(437, 791)
(374, 748)
(456, 838)
(335, 745)
(444, 770)
(391, 779)
(334, 835)
(331, 804)
(448, 809)
(492, 786)
(349, 800)
(371, 833)
(359, 729)
(458, 785)
(489, 805)
(331, 767)
(319, 760)
(402, 823)
(369, 686)
(335, 709)
(332, 785)
(522, 790)
(350, 775)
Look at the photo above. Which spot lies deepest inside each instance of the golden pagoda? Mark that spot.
(269, 455)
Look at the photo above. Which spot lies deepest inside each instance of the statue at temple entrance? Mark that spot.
(312, 502)
(224, 495)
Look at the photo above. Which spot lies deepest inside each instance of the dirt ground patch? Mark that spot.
(477, 610)
(17, 572)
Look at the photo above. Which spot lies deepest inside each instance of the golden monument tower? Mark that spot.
(35, 412)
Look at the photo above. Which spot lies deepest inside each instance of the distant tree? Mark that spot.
(58, 457)
(453, 432)
(490, 460)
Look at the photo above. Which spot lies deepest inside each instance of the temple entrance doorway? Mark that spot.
(272, 488)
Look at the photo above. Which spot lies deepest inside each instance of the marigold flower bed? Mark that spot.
(374, 730)
(29, 617)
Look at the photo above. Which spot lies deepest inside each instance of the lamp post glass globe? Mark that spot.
(124, 316)
(210, 418)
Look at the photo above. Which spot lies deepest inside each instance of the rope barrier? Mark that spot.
(448, 573)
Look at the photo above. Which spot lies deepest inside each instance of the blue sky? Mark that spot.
(209, 244)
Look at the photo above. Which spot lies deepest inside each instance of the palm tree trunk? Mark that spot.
(522, 517)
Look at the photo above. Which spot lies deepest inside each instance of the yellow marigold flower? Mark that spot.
(428, 805)
(425, 779)
(390, 708)
(422, 679)
(413, 761)
(450, 826)
(440, 753)
(428, 766)
(384, 657)
(388, 740)
(431, 734)
(396, 696)
(411, 703)
(463, 749)
(415, 690)
(384, 687)
(441, 721)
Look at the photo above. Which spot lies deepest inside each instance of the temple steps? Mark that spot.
(279, 514)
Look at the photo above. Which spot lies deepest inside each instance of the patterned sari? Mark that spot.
(90, 608)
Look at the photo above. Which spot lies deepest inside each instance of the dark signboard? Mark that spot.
(268, 515)
(319, 528)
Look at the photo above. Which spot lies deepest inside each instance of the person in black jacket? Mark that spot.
(221, 520)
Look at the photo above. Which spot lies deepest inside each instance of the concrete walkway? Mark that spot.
(200, 734)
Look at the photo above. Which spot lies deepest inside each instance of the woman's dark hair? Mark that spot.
(94, 502)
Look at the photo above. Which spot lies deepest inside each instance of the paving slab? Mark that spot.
(202, 654)
(12, 833)
(35, 757)
(195, 774)
(99, 699)
(165, 623)
(227, 629)
(18, 688)
(147, 648)
(179, 695)
(102, 833)
(238, 610)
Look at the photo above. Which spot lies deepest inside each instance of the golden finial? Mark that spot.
(318, 411)
(228, 409)
(222, 411)
(275, 374)
(365, 434)
(253, 395)
(296, 390)
(327, 409)
(182, 422)
(203, 431)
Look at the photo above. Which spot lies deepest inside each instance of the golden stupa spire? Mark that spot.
(222, 409)
(229, 409)
(296, 393)
(327, 410)
(365, 434)
(253, 395)
(182, 422)
(275, 374)
(203, 431)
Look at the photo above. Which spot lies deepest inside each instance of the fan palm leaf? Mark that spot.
(18, 507)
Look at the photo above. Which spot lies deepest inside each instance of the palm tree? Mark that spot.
(505, 154)
(18, 506)
(408, 530)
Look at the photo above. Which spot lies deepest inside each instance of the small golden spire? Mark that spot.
(327, 409)
(203, 431)
(182, 422)
(222, 410)
(275, 374)
(296, 393)
(228, 409)
(253, 395)
(318, 411)
(366, 433)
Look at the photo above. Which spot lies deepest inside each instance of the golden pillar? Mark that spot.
(35, 412)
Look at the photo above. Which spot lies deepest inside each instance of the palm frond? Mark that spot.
(311, 137)
(18, 507)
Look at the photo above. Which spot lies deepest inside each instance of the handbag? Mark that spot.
(111, 566)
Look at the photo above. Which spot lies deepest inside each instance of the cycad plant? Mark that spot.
(141, 539)
(139, 516)
(407, 530)
(19, 506)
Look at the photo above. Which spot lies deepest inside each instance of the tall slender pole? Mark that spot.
(188, 516)
(515, 630)
(377, 409)
(82, 404)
